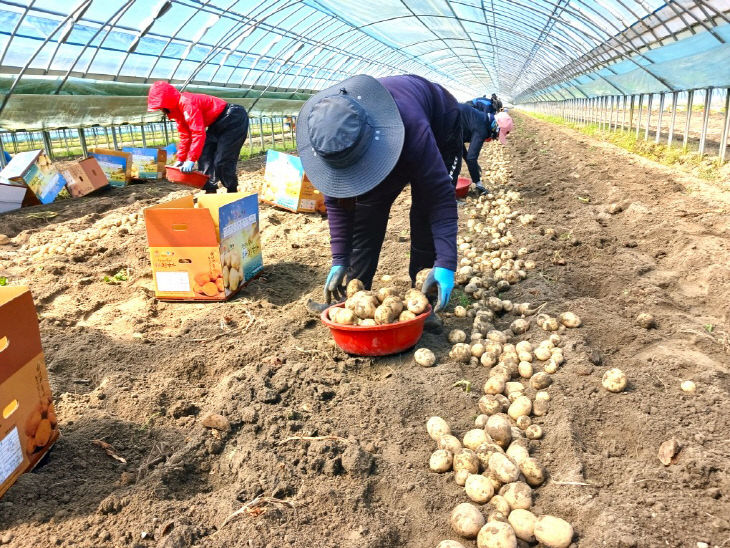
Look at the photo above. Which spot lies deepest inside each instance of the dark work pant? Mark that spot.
(223, 141)
(371, 220)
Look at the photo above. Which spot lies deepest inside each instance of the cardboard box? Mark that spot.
(171, 150)
(12, 196)
(116, 165)
(147, 163)
(28, 425)
(287, 186)
(84, 177)
(33, 169)
(204, 253)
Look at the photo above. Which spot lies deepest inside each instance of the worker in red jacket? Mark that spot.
(217, 149)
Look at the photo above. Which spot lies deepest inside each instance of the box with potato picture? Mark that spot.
(28, 424)
(206, 251)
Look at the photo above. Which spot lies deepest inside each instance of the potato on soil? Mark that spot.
(478, 488)
(449, 544)
(441, 461)
(450, 443)
(533, 432)
(542, 353)
(500, 504)
(688, 387)
(437, 427)
(494, 385)
(460, 477)
(353, 286)
(481, 420)
(489, 405)
(553, 532)
(517, 453)
(467, 520)
(474, 438)
(614, 380)
(503, 469)
(520, 326)
(523, 423)
(523, 523)
(533, 471)
(569, 319)
(518, 495)
(540, 381)
(500, 430)
(424, 357)
(645, 320)
(522, 406)
(540, 407)
(466, 459)
(461, 352)
(497, 534)
(456, 336)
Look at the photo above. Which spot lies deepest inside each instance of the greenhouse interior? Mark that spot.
(283, 273)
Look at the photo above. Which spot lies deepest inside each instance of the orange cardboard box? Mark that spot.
(84, 177)
(206, 251)
(28, 425)
(287, 186)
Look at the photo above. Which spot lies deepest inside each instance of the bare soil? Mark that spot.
(142, 374)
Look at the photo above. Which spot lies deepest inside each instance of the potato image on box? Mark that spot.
(28, 423)
(204, 252)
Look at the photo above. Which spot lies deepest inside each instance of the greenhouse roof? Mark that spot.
(269, 55)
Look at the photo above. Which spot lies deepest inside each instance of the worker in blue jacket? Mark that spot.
(476, 127)
(361, 142)
(484, 105)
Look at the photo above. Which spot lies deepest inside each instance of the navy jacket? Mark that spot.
(430, 116)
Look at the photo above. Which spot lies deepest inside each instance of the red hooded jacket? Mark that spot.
(193, 112)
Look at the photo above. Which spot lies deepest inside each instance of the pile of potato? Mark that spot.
(381, 307)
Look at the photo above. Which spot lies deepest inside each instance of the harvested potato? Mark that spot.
(518, 495)
(481, 420)
(497, 534)
(474, 438)
(540, 381)
(500, 504)
(461, 352)
(550, 367)
(467, 520)
(441, 461)
(553, 532)
(488, 360)
(540, 408)
(421, 277)
(500, 430)
(416, 301)
(517, 453)
(477, 349)
(449, 544)
(497, 336)
(489, 405)
(406, 316)
(520, 326)
(437, 427)
(485, 451)
(522, 406)
(460, 311)
(542, 395)
(364, 305)
(525, 370)
(494, 385)
(395, 303)
(424, 357)
(523, 423)
(523, 523)
(523, 346)
(533, 432)
(343, 316)
(385, 292)
(478, 488)
(542, 353)
(466, 459)
(533, 471)
(460, 477)
(353, 287)
(450, 443)
(614, 380)
(503, 469)
(688, 387)
(384, 315)
(525, 356)
(457, 336)
(367, 322)
(511, 387)
(569, 319)
(645, 320)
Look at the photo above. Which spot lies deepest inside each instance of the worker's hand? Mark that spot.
(177, 164)
(187, 167)
(443, 279)
(335, 284)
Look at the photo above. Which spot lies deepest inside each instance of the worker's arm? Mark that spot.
(194, 120)
(341, 221)
(183, 145)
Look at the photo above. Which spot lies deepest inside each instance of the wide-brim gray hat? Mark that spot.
(349, 137)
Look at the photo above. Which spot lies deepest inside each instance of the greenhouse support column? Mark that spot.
(705, 120)
(673, 120)
(14, 138)
(688, 120)
(631, 113)
(250, 139)
(82, 142)
(662, 97)
(114, 139)
(648, 116)
(293, 133)
(725, 127)
(3, 163)
(623, 112)
(640, 108)
(271, 123)
(144, 137)
(261, 132)
(47, 144)
(167, 133)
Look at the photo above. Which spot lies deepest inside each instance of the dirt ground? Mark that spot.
(142, 375)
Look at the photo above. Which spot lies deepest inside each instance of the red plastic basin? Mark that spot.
(376, 340)
(194, 178)
(462, 187)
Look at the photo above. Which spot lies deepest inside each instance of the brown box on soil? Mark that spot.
(84, 177)
(28, 425)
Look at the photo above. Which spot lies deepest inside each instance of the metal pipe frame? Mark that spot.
(662, 98)
(705, 121)
(725, 128)
(672, 123)
(649, 104)
(685, 138)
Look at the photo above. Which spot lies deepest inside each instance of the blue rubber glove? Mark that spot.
(187, 167)
(335, 284)
(443, 279)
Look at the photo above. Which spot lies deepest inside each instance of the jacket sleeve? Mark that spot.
(196, 123)
(341, 223)
(430, 179)
(183, 146)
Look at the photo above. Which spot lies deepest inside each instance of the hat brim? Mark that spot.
(378, 160)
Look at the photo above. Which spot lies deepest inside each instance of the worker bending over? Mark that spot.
(217, 149)
(476, 127)
(361, 142)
